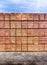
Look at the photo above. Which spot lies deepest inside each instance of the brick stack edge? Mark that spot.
(23, 32)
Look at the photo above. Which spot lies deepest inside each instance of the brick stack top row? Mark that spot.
(22, 16)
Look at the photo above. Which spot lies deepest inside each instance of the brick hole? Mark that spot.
(9, 63)
(32, 63)
(19, 63)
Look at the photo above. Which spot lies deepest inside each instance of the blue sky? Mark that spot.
(23, 6)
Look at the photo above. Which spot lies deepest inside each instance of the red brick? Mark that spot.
(30, 16)
(30, 32)
(35, 24)
(24, 24)
(18, 47)
(42, 40)
(1, 16)
(41, 32)
(7, 16)
(7, 40)
(7, 32)
(7, 47)
(45, 32)
(13, 24)
(35, 32)
(41, 16)
(35, 16)
(45, 47)
(10, 47)
(1, 24)
(12, 32)
(41, 47)
(1, 40)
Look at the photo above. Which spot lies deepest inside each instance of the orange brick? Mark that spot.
(24, 16)
(2, 32)
(2, 47)
(35, 16)
(6, 24)
(41, 16)
(31, 48)
(7, 16)
(30, 40)
(41, 47)
(36, 48)
(24, 32)
(18, 32)
(18, 47)
(30, 24)
(18, 16)
(13, 24)
(18, 40)
(18, 24)
(12, 32)
(24, 40)
(30, 16)
(13, 48)
(13, 40)
(43, 24)
(24, 47)
(12, 16)
(35, 40)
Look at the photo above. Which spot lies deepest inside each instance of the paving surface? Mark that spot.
(23, 57)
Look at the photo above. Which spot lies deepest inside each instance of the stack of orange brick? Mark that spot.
(23, 32)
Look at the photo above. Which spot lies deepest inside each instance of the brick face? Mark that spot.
(23, 32)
